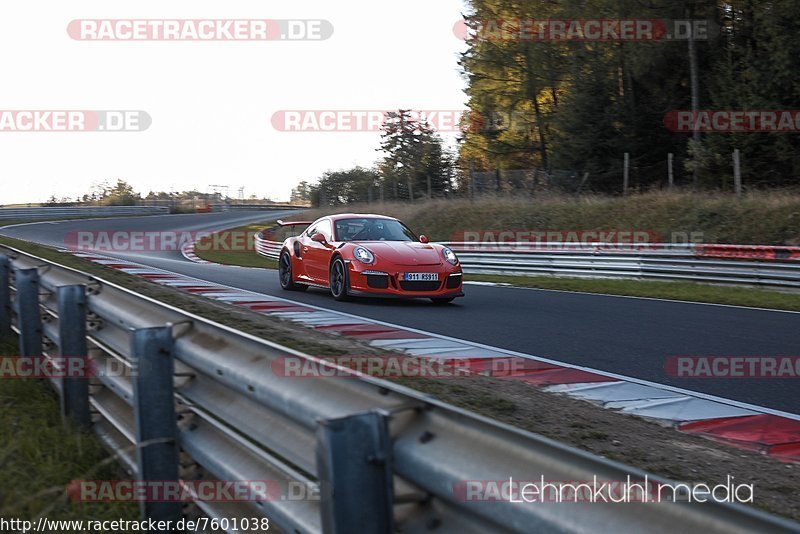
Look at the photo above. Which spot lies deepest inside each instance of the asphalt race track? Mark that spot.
(627, 336)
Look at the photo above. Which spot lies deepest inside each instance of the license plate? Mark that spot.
(421, 277)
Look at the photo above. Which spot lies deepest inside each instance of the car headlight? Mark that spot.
(450, 256)
(363, 255)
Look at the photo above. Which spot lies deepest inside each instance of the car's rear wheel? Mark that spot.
(440, 302)
(338, 279)
(285, 273)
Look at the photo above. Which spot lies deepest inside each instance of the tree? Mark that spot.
(754, 68)
(414, 157)
(120, 194)
(301, 193)
(343, 187)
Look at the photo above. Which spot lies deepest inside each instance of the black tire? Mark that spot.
(338, 280)
(285, 274)
(442, 302)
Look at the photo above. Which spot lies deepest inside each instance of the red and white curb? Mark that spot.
(771, 432)
(187, 249)
(188, 252)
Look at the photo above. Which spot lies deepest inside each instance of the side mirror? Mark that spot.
(423, 239)
(318, 237)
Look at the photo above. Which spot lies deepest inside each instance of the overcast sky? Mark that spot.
(211, 102)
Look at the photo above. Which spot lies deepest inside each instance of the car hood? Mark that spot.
(403, 252)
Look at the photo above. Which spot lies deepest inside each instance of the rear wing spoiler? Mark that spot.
(294, 223)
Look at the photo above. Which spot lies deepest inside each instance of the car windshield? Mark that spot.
(372, 229)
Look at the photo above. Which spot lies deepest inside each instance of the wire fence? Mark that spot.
(528, 181)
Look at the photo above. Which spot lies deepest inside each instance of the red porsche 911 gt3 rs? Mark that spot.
(368, 255)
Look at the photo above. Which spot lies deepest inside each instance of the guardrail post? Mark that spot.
(5, 297)
(29, 316)
(354, 464)
(154, 414)
(72, 340)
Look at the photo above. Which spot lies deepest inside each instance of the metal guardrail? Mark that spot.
(45, 212)
(267, 248)
(695, 263)
(381, 457)
(259, 207)
(649, 262)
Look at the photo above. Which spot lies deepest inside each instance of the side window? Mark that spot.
(325, 228)
(312, 229)
(341, 231)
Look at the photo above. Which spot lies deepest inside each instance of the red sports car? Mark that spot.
(368, 255)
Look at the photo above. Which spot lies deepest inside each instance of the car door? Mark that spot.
(317, 256)
(300, 250)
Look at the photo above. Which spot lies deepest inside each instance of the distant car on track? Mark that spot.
(368, 255)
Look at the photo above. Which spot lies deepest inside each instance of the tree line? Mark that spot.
(580, 108)
(122, 193)
(582, 104)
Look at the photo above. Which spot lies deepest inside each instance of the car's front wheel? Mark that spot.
(285, 273)
(338, 279)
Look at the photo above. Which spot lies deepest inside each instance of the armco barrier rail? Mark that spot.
(382, 458)
(256, 207)
(265, 247)
(45, 212)
(743, 265)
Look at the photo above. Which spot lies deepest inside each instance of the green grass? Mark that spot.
(9, 222)
(759, 218)
(40, 455)
(685, 291)
(244, 256)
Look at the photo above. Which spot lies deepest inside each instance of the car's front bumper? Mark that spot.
(383, 295)
(370, 281)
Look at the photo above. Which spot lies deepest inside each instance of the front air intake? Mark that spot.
(453, 281)
(419, 286)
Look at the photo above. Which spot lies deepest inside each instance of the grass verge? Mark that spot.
(684, 291)
(758, 218)
(40, 455)
(244, 256)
